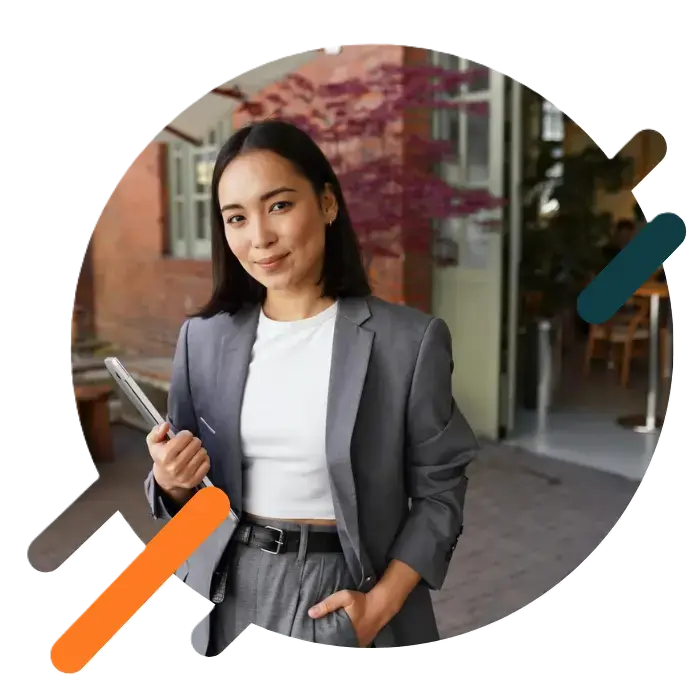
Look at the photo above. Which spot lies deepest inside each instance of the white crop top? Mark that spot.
(283, 419)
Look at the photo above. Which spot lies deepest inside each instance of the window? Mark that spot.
(476, 76)
(190, 171)
(467, 128)
(552, 123)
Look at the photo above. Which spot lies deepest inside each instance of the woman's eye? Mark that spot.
(277, 206)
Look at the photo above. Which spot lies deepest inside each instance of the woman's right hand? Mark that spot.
(178, 464)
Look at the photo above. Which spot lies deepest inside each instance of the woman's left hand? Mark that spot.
(367, 618)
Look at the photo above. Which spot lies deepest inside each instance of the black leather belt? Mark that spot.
(273, 540)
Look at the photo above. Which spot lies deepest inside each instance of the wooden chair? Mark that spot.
(665, 350)
(625, 335)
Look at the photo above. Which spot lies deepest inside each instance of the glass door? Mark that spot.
(473, 290)
(512, 253)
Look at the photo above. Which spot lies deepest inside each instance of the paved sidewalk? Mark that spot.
(530, 521)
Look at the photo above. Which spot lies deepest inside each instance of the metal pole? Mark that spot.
(652, 395)
(668, 369)
(515, 226)
(650, 422)
(544, 372)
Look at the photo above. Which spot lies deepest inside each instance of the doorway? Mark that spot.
(476, 291)
(573, 201)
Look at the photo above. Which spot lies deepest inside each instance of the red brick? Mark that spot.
(141, 295)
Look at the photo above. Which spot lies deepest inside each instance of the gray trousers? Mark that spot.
(276, 591)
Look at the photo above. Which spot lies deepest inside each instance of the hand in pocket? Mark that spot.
(354, 605)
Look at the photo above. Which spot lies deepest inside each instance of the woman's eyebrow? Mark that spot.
(263, 198)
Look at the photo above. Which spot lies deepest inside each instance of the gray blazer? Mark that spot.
(396, 443)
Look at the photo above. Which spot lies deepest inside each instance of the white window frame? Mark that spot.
(493, 95)
(184, 193)
(552, 126)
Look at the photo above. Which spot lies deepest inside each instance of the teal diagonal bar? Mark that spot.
(630, 268)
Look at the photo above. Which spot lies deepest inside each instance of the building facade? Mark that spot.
(147, 266)
(148, 259)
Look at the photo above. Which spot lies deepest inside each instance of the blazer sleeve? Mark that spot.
(181, 416)
(440, 446)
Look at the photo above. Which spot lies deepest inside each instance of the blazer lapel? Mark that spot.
(232, 373)
(352, 347)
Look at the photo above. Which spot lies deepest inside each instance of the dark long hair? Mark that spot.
(343, 274)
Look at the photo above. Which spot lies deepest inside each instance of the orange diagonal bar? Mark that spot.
(168, 550)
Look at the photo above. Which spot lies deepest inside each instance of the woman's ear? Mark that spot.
(329, 204)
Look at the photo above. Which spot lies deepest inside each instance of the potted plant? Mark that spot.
(563, 234)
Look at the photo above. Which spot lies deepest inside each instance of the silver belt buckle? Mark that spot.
(279, 542)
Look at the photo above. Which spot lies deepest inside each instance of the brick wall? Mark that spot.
(85, 297)
(418, 266)
(141, 296)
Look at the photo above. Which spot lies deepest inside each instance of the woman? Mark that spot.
(325, 414)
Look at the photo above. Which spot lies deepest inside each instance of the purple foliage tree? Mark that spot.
(375, 132)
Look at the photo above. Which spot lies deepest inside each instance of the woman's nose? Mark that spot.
(261, 236)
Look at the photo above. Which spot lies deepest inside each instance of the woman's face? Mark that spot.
(274, 222)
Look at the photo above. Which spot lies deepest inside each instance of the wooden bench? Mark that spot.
(93, 409)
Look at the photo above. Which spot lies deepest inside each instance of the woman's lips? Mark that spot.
(272, 262)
